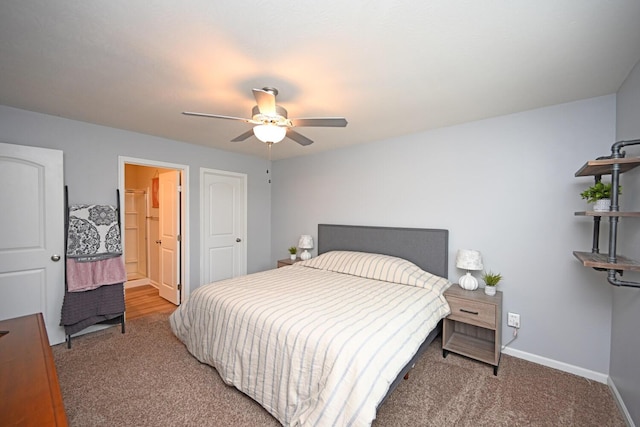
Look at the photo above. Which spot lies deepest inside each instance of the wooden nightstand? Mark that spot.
(474, 327)
(287, 261)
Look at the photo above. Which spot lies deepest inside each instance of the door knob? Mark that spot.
(238, 240)
(55, 257)
(159, 242)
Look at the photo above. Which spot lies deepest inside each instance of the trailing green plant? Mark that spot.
(598, 191)
(491, 279)
(293, 250)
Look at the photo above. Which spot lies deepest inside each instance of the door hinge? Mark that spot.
(179, 188)
(179, 237)
(179, 286)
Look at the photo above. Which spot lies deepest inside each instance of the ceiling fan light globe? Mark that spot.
(269, 133)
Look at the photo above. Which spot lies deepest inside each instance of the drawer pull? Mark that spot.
(469, 311)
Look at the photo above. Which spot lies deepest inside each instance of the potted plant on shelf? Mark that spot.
(491, 280)
(293, 251)
(599, 194)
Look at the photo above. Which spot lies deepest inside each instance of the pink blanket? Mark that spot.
(84, 276)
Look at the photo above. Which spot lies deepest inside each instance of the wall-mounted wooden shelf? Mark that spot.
(610, 213)
(590, 259)
(613, 165)
(605, 166)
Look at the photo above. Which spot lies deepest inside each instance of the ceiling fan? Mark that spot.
(272, 123)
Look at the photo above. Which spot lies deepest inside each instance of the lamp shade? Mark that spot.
(306, 242)
(269, 133)
(469, 259)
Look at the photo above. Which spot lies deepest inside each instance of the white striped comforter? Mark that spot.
(313, 347)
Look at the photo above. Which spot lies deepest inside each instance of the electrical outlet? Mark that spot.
(513, 320)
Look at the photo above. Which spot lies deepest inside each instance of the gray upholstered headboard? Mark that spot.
(427, 248)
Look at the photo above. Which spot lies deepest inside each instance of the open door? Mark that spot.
(32, 235)
(170, 247)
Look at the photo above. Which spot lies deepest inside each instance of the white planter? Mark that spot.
(490, 290)
(602, 205)
(293, 257)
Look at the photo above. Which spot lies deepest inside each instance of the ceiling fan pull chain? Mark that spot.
(269, 145)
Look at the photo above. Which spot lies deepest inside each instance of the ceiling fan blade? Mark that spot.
(266, 102)
(244, 136)
(216, 116)
(320, 122)
(300, 139)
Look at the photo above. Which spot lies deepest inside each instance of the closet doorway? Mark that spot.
(154, 217)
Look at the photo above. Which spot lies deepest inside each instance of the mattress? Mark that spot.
(317, 343)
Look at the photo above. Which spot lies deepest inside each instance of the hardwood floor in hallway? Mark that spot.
(144, 300)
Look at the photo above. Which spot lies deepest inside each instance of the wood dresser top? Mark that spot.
(29, 390)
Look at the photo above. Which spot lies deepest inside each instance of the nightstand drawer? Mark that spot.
(472, 312)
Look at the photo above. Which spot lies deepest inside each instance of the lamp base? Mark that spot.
(305, 255)
(468, 282)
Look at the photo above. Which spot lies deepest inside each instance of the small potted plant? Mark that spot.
(600, 194)
(293, 251)
(491, 280)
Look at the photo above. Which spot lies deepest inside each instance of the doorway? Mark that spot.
(151, 207)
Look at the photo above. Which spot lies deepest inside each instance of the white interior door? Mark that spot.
(32, 235)
(223, 219)
(170, 250)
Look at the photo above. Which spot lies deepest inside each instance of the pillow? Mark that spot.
(378, 267)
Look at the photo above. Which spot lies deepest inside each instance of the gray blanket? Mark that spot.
(83, 309)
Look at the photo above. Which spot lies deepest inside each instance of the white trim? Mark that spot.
(204, 171)
(185, 268)
(572, 369)
(620, 402)
(136, 283)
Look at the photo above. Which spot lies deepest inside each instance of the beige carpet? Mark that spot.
(147, 378)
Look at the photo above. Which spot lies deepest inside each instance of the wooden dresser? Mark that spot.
(29, 390)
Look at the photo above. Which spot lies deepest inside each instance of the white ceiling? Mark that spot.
(390, 67)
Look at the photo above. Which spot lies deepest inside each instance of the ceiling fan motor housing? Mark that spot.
(279, 119)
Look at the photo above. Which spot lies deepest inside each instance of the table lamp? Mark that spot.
(470, 260)
(306, 242)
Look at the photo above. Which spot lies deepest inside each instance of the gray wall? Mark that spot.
(91, 171)
(504, 186)
(625, 338)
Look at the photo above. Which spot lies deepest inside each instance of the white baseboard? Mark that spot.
(135, 283)
(586, 373)
(620, 402)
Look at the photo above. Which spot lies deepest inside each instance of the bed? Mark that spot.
(324, 341)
